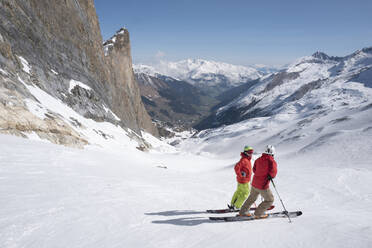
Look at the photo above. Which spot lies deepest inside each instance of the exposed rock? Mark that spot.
(51, 44)
(126, 97)
(303, 90)
(16, 119)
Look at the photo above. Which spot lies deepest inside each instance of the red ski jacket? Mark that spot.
(243, 169)
(262, 168)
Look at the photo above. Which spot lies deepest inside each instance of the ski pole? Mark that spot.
(286, 212)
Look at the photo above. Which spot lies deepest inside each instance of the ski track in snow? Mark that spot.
(53, 196)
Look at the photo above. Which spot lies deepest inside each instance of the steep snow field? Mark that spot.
(112, 195)
(53, 196)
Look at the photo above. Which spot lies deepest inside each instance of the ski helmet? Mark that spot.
(248, 149)
(270, 149)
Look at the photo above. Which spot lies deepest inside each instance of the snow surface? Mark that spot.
(74, 83)
(112, 195)
(107, 47)
(53, 196)
(26, 66)
(3, 72)
(54, 72)
(109, 111)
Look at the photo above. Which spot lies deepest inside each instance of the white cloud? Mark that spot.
(160, 54)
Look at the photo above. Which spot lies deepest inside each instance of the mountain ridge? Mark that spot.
(282, 90)
(199, 71)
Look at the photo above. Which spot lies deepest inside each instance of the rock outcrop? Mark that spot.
(52, 45)
(126, 96)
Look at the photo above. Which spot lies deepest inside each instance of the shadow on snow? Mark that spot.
(194, 221)
(185, 221)
(177, 212)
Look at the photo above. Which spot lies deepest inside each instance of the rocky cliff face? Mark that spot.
(126, 97)
(57, 47)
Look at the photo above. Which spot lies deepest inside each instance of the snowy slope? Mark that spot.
(199, 72)
(53, 196)
(112, 195)
(314, 82)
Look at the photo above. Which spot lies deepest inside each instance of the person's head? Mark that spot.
(248, 150)
(270, 149)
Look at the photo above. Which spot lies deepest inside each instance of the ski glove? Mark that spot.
(243, 174)
(269, 177)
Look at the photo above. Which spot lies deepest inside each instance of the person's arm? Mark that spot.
(249, 166)
(273, 169)
(237, 168)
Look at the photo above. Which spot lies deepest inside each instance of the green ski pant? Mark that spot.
(240, 195)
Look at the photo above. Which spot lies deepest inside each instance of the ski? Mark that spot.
(282, 214)
(228, 210)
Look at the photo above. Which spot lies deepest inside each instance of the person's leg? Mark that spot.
(268, 201)
(242, 194)
(235, 197)
(250, 200)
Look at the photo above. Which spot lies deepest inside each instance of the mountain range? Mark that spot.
(210, 76)
(249, 93)
(318, 82)
(183, 93)
(317, 112)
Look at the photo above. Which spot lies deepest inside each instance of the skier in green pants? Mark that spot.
(243, 170)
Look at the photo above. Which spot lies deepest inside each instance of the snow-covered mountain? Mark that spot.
(183, 93)
(165, 83)
(317, 83)
(202, 72)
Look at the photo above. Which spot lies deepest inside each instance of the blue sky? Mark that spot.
(272, 32)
